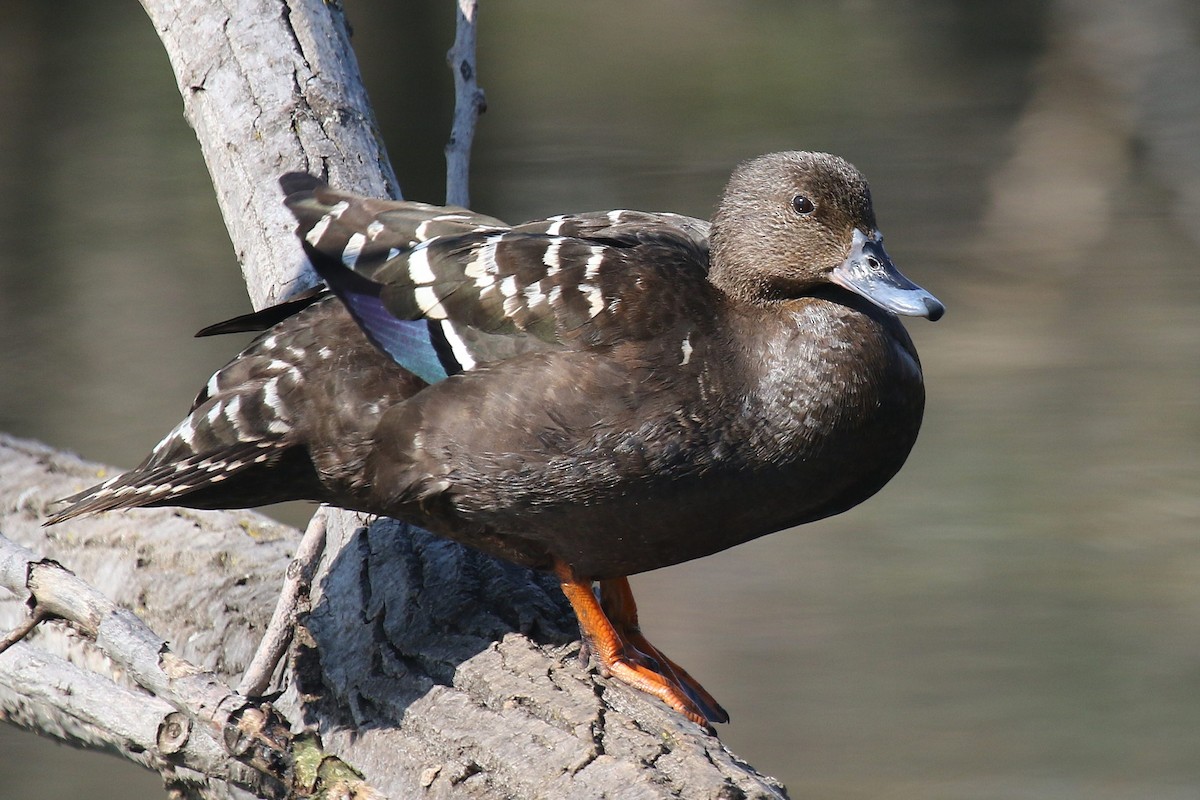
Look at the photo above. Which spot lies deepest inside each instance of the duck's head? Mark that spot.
(790, 222)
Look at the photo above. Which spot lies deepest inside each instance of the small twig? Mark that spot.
(36, 617)
(469, 103)
(295, 589)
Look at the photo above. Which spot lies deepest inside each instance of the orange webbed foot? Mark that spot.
(610, 625)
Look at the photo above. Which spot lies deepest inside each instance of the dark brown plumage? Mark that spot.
(619, 397)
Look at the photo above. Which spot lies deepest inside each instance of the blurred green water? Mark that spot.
(1017, 614)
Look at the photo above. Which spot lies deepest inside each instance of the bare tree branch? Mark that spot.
(272, 86)
(147, 660)
(469, 103)
(82, 707)
(287, 611)
(84, 689)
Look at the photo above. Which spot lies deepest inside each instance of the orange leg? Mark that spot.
(616, 598)
(610, 626)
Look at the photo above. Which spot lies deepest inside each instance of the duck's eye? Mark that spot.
(803, 205)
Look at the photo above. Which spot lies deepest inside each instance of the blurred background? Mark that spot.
(1017, 615)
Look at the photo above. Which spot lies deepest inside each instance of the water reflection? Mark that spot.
(1017, 614)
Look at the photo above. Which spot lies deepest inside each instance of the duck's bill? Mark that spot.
(869, 271)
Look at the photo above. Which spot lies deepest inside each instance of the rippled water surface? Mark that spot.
(1017, 615)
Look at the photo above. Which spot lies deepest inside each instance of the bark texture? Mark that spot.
(433, 670)
(270, 87)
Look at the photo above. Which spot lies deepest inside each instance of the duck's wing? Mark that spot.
(565, 267)
(575, 281)
(363, 232)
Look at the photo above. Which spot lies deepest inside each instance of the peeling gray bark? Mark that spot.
(432, 669)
